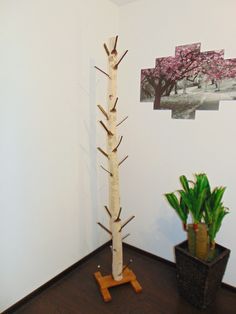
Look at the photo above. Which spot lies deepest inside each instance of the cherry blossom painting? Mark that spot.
(189, 81)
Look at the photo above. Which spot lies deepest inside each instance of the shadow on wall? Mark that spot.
(93, 176)
(88, 176)
(168, 230)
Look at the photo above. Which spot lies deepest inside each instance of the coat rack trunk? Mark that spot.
(120, 274)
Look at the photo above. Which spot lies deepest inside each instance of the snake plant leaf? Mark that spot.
(184, 182)
(221, 216)
(218, 216)
(207, 185)
(202, 183)
(194, 202)
(207, 213)
(199, 204)
(217, 196)
(174, 202)
(186, 198)
(184, 207)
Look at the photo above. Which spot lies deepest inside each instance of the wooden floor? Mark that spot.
(77, 292)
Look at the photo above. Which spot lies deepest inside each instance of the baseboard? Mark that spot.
(151, 255)
(229, 287)
(26, 299)
(172, 264)
(39, 290)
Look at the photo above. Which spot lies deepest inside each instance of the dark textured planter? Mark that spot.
(198, 281)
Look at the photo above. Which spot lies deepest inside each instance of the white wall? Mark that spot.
(52, 191)
(161, 149)
(50, 197)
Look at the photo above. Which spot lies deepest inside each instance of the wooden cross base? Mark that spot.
(106, 282)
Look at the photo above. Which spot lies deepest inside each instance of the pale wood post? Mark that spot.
(120, 274)
(113, 142)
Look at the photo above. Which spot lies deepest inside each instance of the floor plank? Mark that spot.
(78, 293)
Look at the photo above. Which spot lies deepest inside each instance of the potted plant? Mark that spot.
(200, 262)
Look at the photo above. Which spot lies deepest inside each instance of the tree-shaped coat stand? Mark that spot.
(120, 274)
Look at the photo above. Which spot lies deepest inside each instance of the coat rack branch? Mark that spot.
(108, 211)
(103, 152)
(104, 228)
(116, 66)
(106, 129)
(106, 49)
(114, 107)
(122, 121)
(115, 149)
(118, 217)
(126, 222)
(102, 71)
(124, 159)
(103, 111)
(114, 51)
(107, 171)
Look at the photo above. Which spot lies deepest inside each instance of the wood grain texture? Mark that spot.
(106, 282)
(114, 183)
(77, 292)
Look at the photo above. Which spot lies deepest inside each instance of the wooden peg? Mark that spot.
(107, 171)
(104, 126)
(106, 49)
(103, 111)
(103, 227)
(114, 107)
(102, 72)
(118, 217)
(122, 121)
(109, 213)
(115, 44)
(126, 236)
(115, 149)
(126, 222)
(121, 162)
(116, 66)
(102, 151)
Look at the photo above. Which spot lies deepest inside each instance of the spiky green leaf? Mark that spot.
(184, 182)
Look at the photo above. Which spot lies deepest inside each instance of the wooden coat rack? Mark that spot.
(120, 274)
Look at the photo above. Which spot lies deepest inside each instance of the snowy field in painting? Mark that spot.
(184, 103)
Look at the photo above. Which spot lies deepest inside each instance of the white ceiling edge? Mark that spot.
(122, 2)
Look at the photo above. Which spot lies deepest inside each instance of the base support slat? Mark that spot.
(106, 282)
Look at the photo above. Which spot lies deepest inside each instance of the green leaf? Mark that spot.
(217, 197)
(186, 199)
(207, 213)
(201, 184)
(200, 201)
(174, 202)
(184, 182)
(184, 207)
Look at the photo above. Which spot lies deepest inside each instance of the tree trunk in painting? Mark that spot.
(157, 100)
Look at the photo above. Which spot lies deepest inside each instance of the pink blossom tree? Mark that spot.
(168, 71)
(188, 64)
(216, 68)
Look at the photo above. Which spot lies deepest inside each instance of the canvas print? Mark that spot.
(189, 81)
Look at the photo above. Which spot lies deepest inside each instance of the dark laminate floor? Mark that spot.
(77, 293)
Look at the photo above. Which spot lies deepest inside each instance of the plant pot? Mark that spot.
(198, 281)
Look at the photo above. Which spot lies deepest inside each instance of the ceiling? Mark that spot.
(122, 2)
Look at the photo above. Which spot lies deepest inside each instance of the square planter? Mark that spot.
(198, 281)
